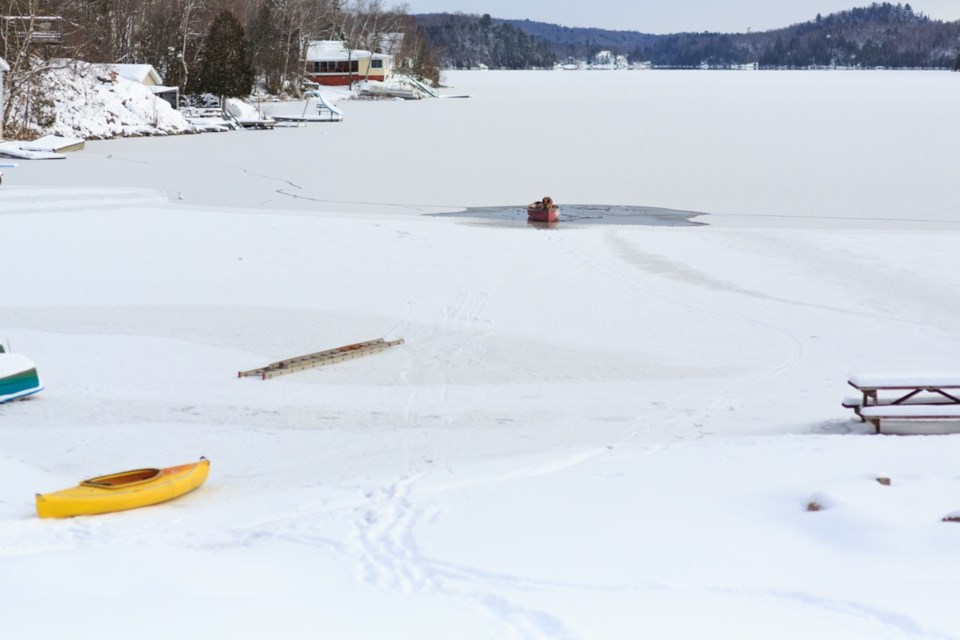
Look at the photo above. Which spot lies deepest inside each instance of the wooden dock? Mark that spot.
(319, 359)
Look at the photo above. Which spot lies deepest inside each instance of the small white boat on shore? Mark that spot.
(402, 87)
(18, 376)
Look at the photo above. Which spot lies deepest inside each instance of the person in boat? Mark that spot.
(546, 204)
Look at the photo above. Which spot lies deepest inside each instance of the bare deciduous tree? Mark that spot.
(31, 42)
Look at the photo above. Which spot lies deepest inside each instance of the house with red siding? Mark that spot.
(330, 62)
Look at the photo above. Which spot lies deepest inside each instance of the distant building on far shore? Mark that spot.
(329, 62)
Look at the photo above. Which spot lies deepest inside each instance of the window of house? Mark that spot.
(376, 64)
(336, 66)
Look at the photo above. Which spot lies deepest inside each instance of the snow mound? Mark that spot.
(88, 101)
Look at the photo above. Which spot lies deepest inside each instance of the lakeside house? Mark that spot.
(148, 76)
(4, 67)
(331, 63)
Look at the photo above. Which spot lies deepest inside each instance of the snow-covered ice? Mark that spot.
(592, 431)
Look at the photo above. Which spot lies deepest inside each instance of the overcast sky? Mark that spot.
(665, 16)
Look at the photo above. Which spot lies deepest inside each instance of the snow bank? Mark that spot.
(87, 101)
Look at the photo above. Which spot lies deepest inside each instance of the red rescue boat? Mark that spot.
(543, 210)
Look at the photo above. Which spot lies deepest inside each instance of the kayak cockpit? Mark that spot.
(123, 479)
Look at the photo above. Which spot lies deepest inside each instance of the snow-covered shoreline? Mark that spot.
(92, 102)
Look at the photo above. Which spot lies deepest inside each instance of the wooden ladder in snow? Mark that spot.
(319, 359)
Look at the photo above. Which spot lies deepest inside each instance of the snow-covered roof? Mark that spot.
(3, 65)
(335, 50)
(138, 73)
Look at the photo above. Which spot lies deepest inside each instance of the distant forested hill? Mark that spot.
(880, 35)
(463, 41)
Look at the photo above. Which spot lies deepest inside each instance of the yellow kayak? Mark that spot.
(125, 490)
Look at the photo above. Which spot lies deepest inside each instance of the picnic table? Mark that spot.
(906, 397)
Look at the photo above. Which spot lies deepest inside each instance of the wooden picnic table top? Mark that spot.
(878, 381)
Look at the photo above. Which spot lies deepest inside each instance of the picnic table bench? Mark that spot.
(905, 397)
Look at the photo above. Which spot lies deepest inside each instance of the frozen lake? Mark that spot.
(752, 146)
(588, 432)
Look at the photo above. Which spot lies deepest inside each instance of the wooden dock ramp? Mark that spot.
(319, 359)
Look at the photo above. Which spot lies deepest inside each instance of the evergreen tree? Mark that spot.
(225, 67)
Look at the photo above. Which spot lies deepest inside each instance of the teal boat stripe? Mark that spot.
(19, 384)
